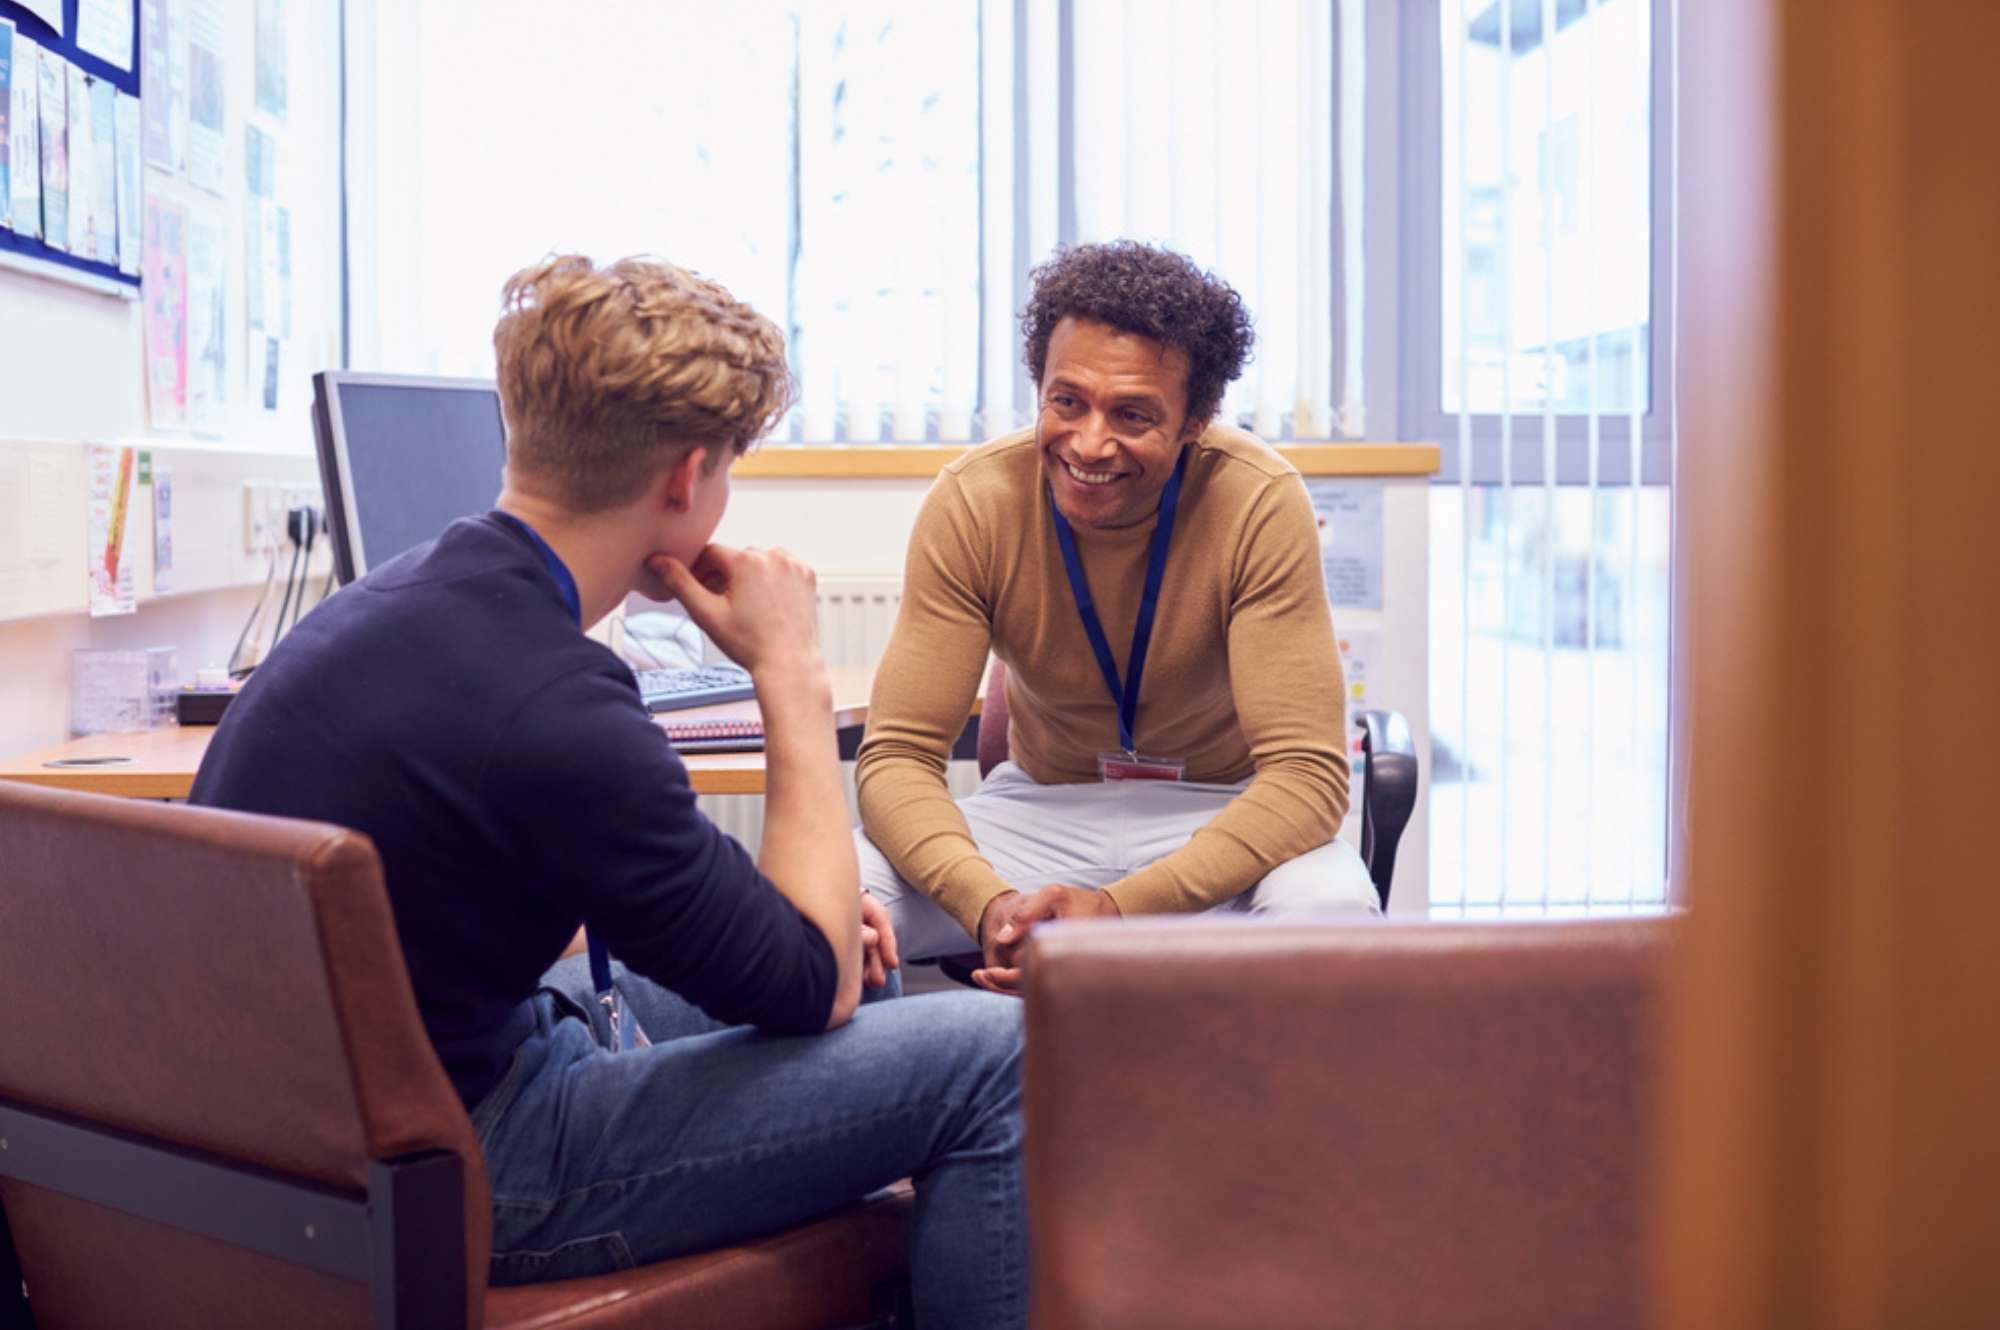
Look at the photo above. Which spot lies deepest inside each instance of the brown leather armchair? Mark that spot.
(218, 1107)
(1234, 1123)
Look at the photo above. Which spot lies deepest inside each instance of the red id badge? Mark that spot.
(1136, 766)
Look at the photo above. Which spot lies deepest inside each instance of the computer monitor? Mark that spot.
(401, 458)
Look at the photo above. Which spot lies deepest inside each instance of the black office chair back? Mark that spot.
(1388, 772)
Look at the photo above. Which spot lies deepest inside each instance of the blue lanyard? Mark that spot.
(1126, 694)
(565, 583)
(600, 955)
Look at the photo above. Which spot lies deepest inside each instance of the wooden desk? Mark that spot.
(160, 764)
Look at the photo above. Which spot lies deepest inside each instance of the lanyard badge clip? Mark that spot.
(622, 1030)
(1137, 766)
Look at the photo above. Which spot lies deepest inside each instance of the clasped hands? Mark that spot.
(1010, 916)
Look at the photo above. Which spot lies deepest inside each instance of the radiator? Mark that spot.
(855, 616)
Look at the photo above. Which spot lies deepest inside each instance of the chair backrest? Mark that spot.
(1364, 1124)
(993, 723)
(220, 983)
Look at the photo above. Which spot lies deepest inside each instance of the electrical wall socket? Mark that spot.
(265, 504)
(257, 534)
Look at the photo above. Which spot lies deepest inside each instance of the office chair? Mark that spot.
(1387, 770)
(218, 1107)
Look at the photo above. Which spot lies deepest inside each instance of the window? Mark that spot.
(1538, 357)
(1553, 271)
(1233, 133)
(821, 161)
(878, 176)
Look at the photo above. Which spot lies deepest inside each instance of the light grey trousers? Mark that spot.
(1091, 835)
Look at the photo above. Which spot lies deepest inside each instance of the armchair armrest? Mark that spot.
(1388, 792)
(1231, 1122)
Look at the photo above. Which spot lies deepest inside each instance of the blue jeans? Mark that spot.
(601, 1161)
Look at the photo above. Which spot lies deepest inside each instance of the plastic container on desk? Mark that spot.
(122, 690)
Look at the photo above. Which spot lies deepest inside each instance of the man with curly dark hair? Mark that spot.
(1151, 579)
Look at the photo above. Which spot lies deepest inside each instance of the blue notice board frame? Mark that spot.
(29, 23)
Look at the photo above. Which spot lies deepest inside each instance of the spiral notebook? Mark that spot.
(715, 736)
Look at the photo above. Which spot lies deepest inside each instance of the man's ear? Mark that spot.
(1193, 430)
(677, 483)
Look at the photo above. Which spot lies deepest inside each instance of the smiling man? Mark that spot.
(1152, 581)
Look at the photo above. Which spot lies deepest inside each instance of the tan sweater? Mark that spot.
(1242, 674)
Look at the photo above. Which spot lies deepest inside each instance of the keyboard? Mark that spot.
(673, 690)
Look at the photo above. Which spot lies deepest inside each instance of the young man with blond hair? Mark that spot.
(450, 706)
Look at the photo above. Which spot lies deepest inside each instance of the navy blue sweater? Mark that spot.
(449, 706)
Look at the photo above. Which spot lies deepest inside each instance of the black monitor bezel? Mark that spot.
(350, 554)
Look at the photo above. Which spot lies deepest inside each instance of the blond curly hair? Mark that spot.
(609, 374)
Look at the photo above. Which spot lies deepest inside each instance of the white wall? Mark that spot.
(43, 602)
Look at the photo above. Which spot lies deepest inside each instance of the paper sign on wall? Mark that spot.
(166, 297)
(1349, 514)
(131, 197)
(113, 481)
(207, 80)
(1360, 656)
(164, 53)
(104, 29)
(163, 529)
(1359, 652)
(23, 208)
(207, 356)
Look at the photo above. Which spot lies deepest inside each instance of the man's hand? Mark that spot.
(878, 943)
(1004, 928)
(759, 606)
(1002, 972)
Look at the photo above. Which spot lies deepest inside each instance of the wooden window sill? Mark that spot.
(923, 461)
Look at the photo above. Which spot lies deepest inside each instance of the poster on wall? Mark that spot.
(163, 529)
(163, 82)
(23, 209)
(166, 293)
(113, 586)
(1360, 650)
(253, 272)
(207, 328)
(260, 163)
(55, 150)
(268, 231)
(6, 121)
(284, 269)
(104, 168)
(207, 40)
(104, 29)
(131, 198)
(1349, 515)
(271, 57)
(82, 207)
(270, 366)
